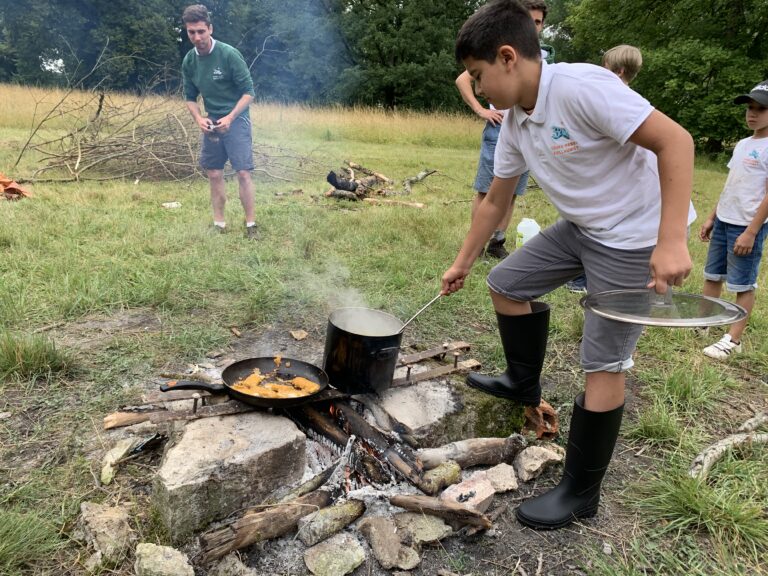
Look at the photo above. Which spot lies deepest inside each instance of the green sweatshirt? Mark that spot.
(221, 77)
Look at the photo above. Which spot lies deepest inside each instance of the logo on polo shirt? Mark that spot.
(754, 154)
(217, 73)
(560, 132)
(563, 148)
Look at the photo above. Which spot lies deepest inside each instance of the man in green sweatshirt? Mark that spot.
(218, 73)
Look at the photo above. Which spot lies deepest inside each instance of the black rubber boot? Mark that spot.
(524, 339)
(590, 447)
(496, 249)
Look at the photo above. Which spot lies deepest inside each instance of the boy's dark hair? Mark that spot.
(498, 23)
(196, 13)
(536, 5)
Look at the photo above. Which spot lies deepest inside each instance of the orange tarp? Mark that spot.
(10, 190)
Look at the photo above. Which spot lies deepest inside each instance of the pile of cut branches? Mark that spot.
(139, 140)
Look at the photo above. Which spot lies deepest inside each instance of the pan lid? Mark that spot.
(672, 309)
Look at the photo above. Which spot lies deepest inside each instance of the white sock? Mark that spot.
(249, 224)
(220, 224)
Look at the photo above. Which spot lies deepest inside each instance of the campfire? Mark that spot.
(358, 455)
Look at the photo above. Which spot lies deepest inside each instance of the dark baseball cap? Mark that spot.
(759, 94)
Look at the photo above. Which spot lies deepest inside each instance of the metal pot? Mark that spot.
(361, 349)
(289, 368)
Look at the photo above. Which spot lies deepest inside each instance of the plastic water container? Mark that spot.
(527, 229)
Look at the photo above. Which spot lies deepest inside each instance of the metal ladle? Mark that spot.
(427, 305)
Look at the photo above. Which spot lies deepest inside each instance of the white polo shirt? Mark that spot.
(576, 144)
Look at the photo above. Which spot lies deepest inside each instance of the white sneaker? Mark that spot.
(723, 349)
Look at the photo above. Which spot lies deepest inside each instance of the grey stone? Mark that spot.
(338, 555)
(532, 461)
(502, 477)
(222, 464)
(154, 560)
(382, 535)
(108, 531)
(418, 529)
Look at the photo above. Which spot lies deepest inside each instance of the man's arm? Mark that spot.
(673, 146)
(486, 219)
(464, 85)
(240, 107)
(201, 120)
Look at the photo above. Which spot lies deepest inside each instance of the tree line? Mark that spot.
(698, 54)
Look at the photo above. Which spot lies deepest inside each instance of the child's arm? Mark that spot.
(673, 146)
(746, 240)
(706, 229)
(487, 217)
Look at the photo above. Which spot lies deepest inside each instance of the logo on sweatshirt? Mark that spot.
(217, 73)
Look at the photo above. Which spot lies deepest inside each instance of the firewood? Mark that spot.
(364, 170)
(117, 419)
(336, 193)
(441, 477)
(408, 182)
(474, 452)
(287, 494)
(258, 524)
(324, 523)
(450, 511)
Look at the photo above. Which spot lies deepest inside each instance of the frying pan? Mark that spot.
(289, 368)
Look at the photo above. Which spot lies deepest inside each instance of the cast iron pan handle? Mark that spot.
(194, 385)
(385, 353)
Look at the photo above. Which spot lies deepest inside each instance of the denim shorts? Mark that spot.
(561, 253)
(235, 145)
(485, 165)
(738, 272)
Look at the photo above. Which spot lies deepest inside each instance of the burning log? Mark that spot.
(319, 525)
(447, 510)
(474, 452)
(258, 524)
(321, 423)
(281, 497)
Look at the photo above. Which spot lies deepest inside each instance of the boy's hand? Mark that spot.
(493, 116)
(705, 233)
(453, 280)
(670, 265)
(744, 243)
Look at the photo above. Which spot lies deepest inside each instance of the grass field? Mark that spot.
(87, 250)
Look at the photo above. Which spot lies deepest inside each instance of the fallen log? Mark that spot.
(450, 511)
(257, 525)
(474, 452)
(324, 523)
(336, 193)
(365, 170)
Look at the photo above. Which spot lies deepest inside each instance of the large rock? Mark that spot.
(154, 560)
(338, 555)
(220, 465)
(383, 536)
(107, 530)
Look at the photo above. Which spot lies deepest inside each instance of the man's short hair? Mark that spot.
(196, 13)
(498, 23)
(624, 59)
(536, 5)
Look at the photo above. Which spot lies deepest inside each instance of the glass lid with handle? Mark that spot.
(672, 309)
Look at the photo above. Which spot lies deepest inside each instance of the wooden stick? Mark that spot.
(257, 525)
(474, 452)
(707, 458)
(436, 507)
(117, 419)
(394, 202)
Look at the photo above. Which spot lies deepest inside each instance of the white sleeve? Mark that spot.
(508, 162)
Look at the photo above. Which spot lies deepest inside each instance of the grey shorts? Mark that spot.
(235, 145)
(561, 253)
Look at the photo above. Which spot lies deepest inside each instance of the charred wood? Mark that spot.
(447, 510)
(258, 524)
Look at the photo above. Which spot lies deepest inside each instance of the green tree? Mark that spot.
(698, 54)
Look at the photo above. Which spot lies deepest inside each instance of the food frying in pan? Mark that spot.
(271, 385)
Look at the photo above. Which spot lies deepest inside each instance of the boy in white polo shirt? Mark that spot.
(736, 228)
(624, 223)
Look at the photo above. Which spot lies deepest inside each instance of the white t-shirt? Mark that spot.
(745, 187)
(576, 143)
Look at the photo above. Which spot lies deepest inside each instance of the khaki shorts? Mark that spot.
(561, 253)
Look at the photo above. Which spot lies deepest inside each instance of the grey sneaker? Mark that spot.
(251, 232)
(219, 229)
(496, 249)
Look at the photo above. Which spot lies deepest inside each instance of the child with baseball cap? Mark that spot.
(736, 228)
